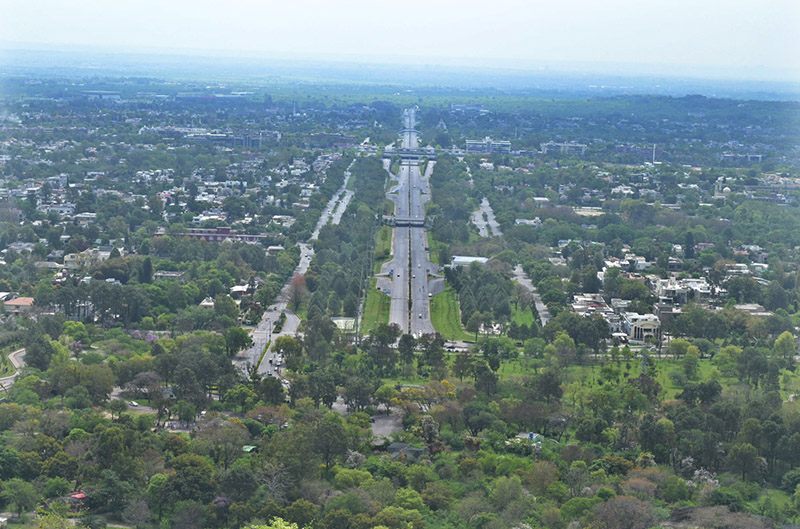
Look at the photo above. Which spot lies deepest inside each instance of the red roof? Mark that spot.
(20, 302)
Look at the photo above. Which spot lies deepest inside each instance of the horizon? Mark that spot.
(714, 40)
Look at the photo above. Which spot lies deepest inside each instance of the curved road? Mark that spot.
(17, 359)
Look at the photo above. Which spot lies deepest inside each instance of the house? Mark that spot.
(207, 303)
(18, 305)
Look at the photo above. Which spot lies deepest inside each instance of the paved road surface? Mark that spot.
(410, 305)
(488, 225)
(262, 334)
(17, 359)
(522, 278)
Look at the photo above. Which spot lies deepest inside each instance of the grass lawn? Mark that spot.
(445, 316)
(6, 368)
(383, 248)
(522, 316)
(434, 245)
(376, 308)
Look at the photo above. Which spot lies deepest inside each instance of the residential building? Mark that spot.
(18, 305)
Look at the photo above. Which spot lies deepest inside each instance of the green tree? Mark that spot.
(236, 339)
(146, 271)
(784, 346)
(743, 457)
(276, 523)
(330, 440)
(21, 494)
(224, 305)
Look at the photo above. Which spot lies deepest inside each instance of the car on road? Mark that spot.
(420, 315)
(133, 403)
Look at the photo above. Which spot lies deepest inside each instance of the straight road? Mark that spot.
(410, 306)
(490, 226)
(522, 278)
(262, 334)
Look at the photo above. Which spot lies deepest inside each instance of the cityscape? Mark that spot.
(347, 287)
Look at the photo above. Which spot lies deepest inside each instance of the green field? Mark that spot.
(445, 316)
(376, 308)
(434, 249)
(522, 316)
(383, 248)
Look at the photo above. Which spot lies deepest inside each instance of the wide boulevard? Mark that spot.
(410, 306)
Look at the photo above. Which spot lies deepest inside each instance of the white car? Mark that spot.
(133, 403)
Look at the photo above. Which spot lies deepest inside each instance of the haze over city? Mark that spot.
(742, 39)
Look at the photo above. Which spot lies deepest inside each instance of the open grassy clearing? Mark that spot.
(376, 308)
(445, 316)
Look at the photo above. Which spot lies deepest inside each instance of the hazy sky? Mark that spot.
(749, 36)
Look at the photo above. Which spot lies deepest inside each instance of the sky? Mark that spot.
(751, 39)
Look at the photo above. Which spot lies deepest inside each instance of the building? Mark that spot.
(18, 305)
(640, 327)
(219, 235)
(465, 260)
(536, 222)
(488, 146)
(101, 95)
(169, 275)
(570, 148)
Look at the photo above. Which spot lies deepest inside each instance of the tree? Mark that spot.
(287, 346)
(277, 523)
(623, 512)
(192, 480)
(330, 440)
(547, 385)
(222, 439)
(146, 271)
(138, 514)
(270, 390)
(462, 365)
(236, 339)
(298, 291)
(118, 406)
(474, 323)
(358, 393)
(688, 245)
(743, 457)
(485, 379)
(322, 387)
(224, 305)
(21, 494)
(38, 352)
(385, 394)
(155, 493)
(784, 346)
(406, 347)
